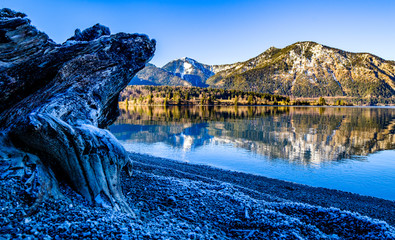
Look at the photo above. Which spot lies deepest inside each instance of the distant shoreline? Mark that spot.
(185, 96)
(122, 105)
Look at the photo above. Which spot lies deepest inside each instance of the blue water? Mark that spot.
(350, 149)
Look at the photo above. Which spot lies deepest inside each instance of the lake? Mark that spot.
(346, 148)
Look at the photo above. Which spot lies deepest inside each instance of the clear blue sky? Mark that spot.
(224, 31)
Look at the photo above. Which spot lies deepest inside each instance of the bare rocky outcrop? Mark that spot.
(55, 100)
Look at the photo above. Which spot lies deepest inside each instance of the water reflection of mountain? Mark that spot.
(185, 136)
(304, 135)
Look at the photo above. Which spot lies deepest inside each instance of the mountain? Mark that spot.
(303, 69)
(152, 75)
(180, 72)
(308, 69)
(193, 71)
(190, 70)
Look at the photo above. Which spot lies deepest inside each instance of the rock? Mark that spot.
(172, 200)
(91, 33)
(55, 100)
(191, 235)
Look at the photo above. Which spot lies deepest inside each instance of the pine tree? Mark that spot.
(126, 104)
(250, 99)
(321, 101)
(165, 101)
(236, 100)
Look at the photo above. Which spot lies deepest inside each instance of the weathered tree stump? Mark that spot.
(56, 99)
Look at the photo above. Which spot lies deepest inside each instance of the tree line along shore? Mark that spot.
(173, 95)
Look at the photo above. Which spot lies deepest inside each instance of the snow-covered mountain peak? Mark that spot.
(190, 70)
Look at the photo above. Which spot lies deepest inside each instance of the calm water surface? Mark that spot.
(350, 149)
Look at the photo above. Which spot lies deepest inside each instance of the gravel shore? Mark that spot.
(173, 200)
(268, 188)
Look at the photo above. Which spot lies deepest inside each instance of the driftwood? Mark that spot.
(55, 100)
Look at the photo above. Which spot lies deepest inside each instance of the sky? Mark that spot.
(224, 31)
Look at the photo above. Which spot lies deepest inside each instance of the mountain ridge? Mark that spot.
(302, 69)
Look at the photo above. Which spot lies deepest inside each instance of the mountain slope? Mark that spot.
(308, 69)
